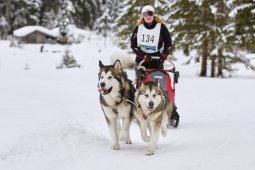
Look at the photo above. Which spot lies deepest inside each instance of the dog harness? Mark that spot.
(115, 110)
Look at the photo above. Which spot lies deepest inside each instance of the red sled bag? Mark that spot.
(161, 76)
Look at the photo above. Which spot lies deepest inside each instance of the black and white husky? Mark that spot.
(153, 110)
(116, 97)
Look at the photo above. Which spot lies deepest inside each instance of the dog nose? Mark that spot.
(151, 104)
(102, 84)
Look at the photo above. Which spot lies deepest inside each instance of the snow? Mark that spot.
(51, 119)
(23, 31)
(241, 7)
(75, 34)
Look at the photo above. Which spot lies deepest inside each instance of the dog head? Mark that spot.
(109, 77)
(149, 96)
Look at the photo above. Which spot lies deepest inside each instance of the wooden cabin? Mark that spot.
(34, 34)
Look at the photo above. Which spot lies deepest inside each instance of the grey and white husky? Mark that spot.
(116, 97)
(153, 109)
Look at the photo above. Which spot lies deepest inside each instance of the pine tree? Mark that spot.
(85, 12)
(18, 13)
(213, 35)
(33, 8)
(64, 21)
(206, 28)
(104, 23)
(181, 23)
(220, 44)
(224, 47)
(4, 26)
(114, 8)
(244, 15)
(50, 19)
(203, 37)
(49, 13)
(191, 28)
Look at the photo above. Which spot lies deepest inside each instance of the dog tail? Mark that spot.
(126, 61)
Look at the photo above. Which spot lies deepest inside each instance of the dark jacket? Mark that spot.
(164, 39)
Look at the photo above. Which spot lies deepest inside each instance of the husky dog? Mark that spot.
(116, 97)
(153, 109)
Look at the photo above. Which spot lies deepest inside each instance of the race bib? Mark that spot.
(147, 39)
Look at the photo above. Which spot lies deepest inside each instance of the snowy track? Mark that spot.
(51, 120)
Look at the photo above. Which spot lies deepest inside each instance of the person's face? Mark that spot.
(148, 16)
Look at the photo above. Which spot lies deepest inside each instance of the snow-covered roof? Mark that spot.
(21, 32)
(71, 29)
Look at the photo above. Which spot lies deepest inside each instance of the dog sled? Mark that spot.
(163, 76)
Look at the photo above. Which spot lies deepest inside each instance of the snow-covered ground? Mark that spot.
(51, 119)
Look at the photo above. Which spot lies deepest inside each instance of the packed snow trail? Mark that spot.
(51, 119)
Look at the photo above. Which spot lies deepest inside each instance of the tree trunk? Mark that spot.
(204, 59)
(213, 66)
(220, 63)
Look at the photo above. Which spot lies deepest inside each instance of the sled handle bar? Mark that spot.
(151, 57)
(158, 58)
(155, 57)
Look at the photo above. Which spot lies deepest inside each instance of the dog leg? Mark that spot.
(143, 130)
(163, 126)
(154, 139)
(113, 131)
(119, 122)
(124, 134)
(164, 130)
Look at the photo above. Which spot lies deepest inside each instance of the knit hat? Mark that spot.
(147, 8)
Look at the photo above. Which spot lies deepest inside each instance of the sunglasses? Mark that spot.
(147, 13)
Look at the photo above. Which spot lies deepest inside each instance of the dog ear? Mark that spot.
(101, 64)
(142, 85)
(117, 65)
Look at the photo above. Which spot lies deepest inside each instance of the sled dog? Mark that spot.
(152, 112)
(116, 97)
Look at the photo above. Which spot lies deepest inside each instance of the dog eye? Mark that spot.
(154, 95)
(110, 77)
(102, 77)
(146, 95)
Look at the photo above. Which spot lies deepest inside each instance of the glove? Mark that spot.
(141, 69)
(141, 72)
(164, 57)
(146, 58)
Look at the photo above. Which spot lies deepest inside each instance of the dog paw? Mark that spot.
(125, 138)
(164, 132)
(127, 141)
(150, 152)
(115, 146)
